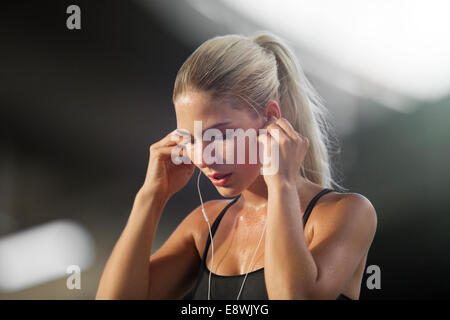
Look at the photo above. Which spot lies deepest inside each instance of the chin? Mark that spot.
(228, 192)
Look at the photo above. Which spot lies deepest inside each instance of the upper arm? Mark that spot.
(174, 266)
(341, 239)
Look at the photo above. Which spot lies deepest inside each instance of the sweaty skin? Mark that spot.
(324, 260)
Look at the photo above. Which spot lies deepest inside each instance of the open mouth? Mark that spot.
(220, 176)
(220, 179)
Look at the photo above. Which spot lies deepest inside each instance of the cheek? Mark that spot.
(241, 151)
(246, 162)
(245, 175)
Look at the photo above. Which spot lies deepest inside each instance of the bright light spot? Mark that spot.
(401, 44)
(43, 253)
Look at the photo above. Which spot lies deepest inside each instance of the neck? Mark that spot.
(256, 195)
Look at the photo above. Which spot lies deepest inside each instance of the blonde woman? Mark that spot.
(287, 235)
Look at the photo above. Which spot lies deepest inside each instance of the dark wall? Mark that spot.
(79, 109)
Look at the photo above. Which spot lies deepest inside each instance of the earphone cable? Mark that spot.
(251, 262)
(212, 244)
(210, 234)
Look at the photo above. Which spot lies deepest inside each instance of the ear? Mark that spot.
(272, 109)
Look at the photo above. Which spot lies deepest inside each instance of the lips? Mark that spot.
(219, 175)
(220, 179)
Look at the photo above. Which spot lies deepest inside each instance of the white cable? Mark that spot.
(251, 262)
(210, 234)
(212, 244)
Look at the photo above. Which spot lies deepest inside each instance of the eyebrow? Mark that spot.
(214, 126)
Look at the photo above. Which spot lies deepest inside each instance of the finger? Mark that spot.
(265, 141)
(277, 132)
(269, 122)
(163, 152)
(278, 122)
(288, 128)
(173, 138)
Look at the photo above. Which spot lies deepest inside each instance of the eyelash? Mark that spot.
(224, 137)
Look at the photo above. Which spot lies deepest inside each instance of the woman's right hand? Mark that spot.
(164, 177)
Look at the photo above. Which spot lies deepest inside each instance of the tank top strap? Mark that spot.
(312, 203)
(216, 224)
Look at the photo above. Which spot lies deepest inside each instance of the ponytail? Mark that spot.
(258, 69)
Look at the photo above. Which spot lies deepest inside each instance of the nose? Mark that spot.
(214, 154)
(196, 154)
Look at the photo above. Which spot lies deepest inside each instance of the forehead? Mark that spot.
(201, 106)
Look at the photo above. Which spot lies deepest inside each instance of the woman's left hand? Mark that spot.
(292, 149)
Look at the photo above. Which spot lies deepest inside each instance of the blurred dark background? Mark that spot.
(80, 108)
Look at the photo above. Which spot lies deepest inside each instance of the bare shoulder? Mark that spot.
(345, 211)
(197, 224)
(356, 206)
(346, 204)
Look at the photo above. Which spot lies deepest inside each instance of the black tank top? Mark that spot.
(227, 287)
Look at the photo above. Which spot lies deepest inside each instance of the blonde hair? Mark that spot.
(258, 69)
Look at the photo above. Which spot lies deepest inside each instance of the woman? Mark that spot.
(270, 243)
